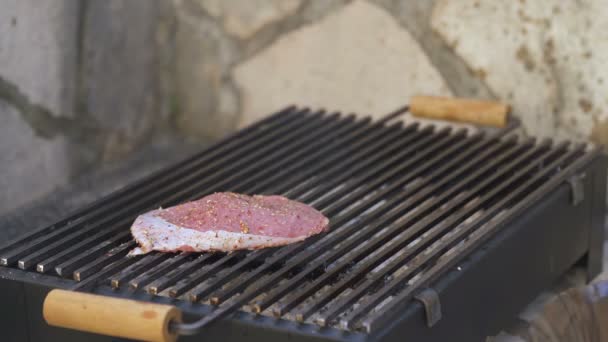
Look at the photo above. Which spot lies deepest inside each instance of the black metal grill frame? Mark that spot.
(367, 155)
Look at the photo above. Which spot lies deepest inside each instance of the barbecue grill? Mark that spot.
(435, 235)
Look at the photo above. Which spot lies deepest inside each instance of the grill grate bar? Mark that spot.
(141, 264)
(367, 141)
(66, 268)
(298, 125)
(116, 281)
(227, 145)
(335, 127)
(180, 272)
(416, 198)
(90, 282)
(390, 287)
(334, 236)
(382, 174)
(125, 221)
(417, 194)
(144, 262)
(428, 224)
(275, 161)
(57, 251)
(423, 147)
(388, 132)
(519, 199)
(113, 255)
(201, 290)
(185, 284)
(204, 289)
(165, 266)
(334, 177)
(293, 156)
(52, 260)
(339, 235)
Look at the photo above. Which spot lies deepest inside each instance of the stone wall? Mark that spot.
(239, 60)
(87, 82)
(79, 87)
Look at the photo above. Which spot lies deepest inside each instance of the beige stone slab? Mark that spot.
(358, 59)
(38, 51)
(244, 18)
(548, 58)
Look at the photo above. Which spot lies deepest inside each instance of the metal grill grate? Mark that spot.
(406, 204)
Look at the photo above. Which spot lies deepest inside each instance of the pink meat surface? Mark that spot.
(226, 222)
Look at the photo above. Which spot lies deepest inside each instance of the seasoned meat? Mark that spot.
(226, 222)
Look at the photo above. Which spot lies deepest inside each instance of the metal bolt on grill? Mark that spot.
(406, 203)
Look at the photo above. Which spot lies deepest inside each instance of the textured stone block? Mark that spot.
(38, 50)
(244, 18)
(549, 59)
(29, 166)
(207, 102)
(415, 16)
(357, 59)
(120, 76)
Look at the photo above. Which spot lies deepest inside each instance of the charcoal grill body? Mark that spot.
(479, 293)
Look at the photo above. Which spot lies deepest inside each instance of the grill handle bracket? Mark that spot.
(432, 305)
(577, 188)
(110, 315)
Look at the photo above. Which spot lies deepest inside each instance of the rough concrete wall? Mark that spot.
(236, 61)
(119, 73)
(37, 90)
(79, 85)
(38, 51)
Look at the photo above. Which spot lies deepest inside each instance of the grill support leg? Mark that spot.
(598, 218)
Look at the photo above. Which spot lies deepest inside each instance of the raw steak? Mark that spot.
(226, 222)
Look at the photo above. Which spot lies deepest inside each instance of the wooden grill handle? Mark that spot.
(110, 316)
(479, 112)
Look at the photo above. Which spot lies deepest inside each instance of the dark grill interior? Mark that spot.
(406, 204)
